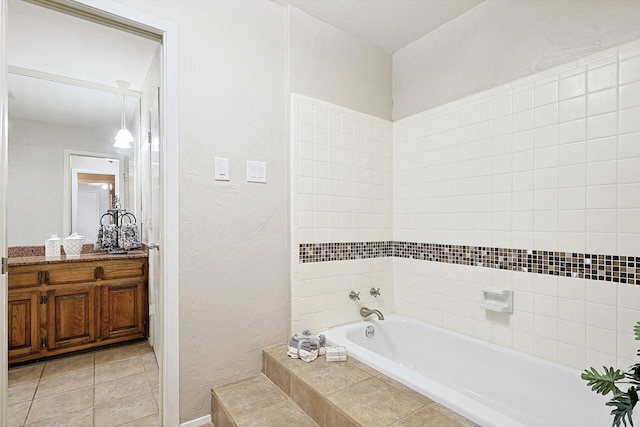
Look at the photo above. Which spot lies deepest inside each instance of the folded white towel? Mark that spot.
(298, 353)
(336, 354)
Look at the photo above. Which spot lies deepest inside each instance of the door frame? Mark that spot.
(170, 371)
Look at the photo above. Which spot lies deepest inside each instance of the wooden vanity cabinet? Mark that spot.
(61, 307)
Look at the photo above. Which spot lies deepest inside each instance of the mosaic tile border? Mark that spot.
(610, 268)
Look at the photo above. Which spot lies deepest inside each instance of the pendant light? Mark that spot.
(123, 138)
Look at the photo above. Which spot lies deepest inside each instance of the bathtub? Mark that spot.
(491, 385)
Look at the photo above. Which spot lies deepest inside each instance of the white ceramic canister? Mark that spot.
(52, 246)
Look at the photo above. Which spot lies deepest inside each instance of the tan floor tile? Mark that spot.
(281, 414)
(17, 414)
(150, 421)
(427, 417)
(68, 364)
(119, 388)
(116, 354)
(21, 392)
(59, 404)
(404, 389)
(329, 377)
(125, 410)
(81, 418)
(391, 405)
(119, 369)
(60, 383)
(249, 395)
(25, 373)
(453, 415)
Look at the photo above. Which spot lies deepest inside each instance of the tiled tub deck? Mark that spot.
(344, 394)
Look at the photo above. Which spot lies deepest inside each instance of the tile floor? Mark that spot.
(117, 386)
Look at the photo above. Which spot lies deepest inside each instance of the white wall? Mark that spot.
(36, 171)
(234, 281)
(340, 192)
(331, 65)
(500, 41)
(550, 162)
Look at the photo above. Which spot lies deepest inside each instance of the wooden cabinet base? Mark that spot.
(66, 307)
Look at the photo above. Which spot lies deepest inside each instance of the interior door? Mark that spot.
(3, 223)
(155, 255)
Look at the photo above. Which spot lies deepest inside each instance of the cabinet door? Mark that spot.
(24, 323)
(123, 310)
(72, 316)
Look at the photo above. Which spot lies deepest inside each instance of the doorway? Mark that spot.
(168, 184)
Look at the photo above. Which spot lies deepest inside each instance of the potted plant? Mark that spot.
(608, 380)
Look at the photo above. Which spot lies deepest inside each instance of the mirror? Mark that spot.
(63, 95)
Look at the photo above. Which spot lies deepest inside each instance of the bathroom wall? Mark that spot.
(234, 275)
(500, 41)
(36, 174)
(340, 198)
(331, 65)
(545, 168)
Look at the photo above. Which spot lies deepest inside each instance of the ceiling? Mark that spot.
(76, 64)
(58, 47)
(390, 24)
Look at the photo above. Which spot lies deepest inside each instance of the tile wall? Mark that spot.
(546, 163)
(340, 192)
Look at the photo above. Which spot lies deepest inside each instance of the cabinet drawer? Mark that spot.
(80, 272)
(121, 269)
(25, 276)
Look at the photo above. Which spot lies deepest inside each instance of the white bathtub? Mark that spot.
(491, 385)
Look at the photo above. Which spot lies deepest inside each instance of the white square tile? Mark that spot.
(602, 173)
(572, 109)
(523, 141)
(546, 115)
(523, 161)
(572, 154)
(572, 310)
(629, 120)
(522, 99)
(546, 178)
(524, 120)
(628, 196)
(602, 243)
(629, 220)
(601, 221)
(572, 221)
(602, 197)
(546, 327)
(572, 176)
(630, 70)
(572, 198)
(629, 171)
(523, 180)
(546, 220)
(546, 94)
(602, 77)
(546, 305)
(572, 333)
(546, 348)
(628, 296)
(630, 95)
(546, 157)
(628, 243)
(574, 131)
(501, 106)
(602, 316)
(602, 126)
(546, 136)
(572, 86)
(629, 145)
(571, 355)
(602, 102)
(627, 318)
(602, 149)
(601, 340)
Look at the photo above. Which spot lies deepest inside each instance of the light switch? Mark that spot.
(256, 171)
(221, 169)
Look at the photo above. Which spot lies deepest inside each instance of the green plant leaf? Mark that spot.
(636, 330)
(623, 407)
(603, 383)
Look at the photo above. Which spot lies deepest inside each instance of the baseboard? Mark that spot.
(197, 422)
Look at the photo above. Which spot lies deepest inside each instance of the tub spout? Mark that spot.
(365, 312)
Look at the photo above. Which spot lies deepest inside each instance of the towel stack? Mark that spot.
(336, 354)
(306, 346)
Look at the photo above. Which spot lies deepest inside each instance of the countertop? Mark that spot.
(85, 256)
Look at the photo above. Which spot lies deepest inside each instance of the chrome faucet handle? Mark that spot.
(353, 295)
(374, 292)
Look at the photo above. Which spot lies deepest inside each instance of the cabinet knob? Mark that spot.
(155, 245)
